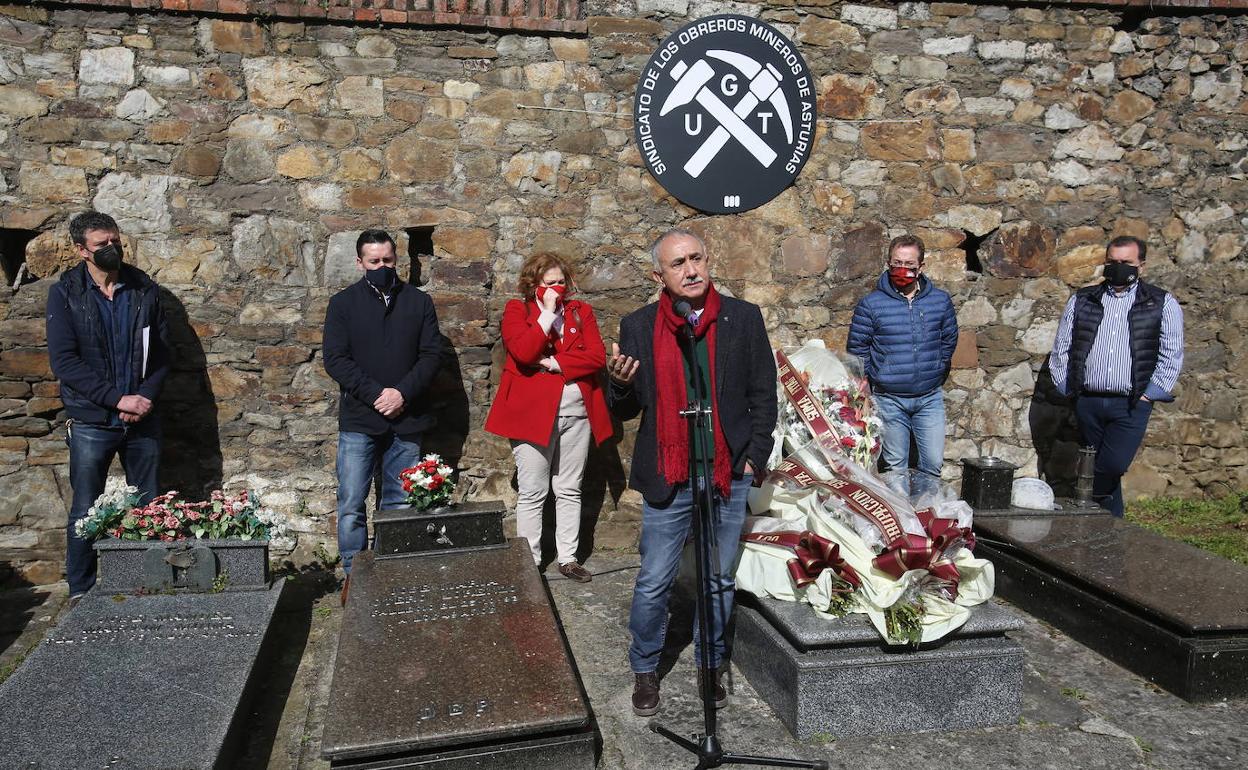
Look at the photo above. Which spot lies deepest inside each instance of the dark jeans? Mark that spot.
(359, 455)
(91, 452)
(1115, 426)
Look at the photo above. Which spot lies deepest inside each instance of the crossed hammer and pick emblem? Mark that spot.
(691, 86)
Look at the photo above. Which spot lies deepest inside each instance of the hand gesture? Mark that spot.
(389, 403)
(133, 408)
(621, 368)
(549, 300)
(550, 364)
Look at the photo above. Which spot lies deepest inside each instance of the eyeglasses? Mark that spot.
(914, 266)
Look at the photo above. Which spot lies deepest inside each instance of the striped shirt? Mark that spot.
(1108, 368)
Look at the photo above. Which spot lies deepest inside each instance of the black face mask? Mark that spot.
(1120, 274)
(383, 278)
(107, 258)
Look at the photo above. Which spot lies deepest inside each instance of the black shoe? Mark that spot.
(721, 693)
(646, 694)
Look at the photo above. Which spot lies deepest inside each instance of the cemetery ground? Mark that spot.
(1079, 709)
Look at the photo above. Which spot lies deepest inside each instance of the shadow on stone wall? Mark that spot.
(450, 405)
(1054, 433)
(190, 460)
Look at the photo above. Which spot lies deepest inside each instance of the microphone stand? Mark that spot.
(706, 745)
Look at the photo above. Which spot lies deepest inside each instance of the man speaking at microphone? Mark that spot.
(651, 373)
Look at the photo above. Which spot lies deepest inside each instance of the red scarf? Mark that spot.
(671, 388)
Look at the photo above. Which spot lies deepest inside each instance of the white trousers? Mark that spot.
(559, 465)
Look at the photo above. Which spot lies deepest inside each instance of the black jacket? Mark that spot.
(78, 348)
(369, 346)
(745, 391)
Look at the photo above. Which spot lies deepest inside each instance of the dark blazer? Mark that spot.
(369, 346)
(745, 391)
(78, 350)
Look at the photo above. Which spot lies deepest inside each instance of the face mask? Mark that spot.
(558, 290)
(1120, 274)
(107, 258)
(383, 278)
(903, 277)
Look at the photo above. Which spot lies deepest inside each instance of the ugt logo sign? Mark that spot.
(725, 113)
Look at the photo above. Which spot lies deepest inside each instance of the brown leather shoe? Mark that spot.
(574, 571)
(346, 588)
(646, 694)
(721, 693)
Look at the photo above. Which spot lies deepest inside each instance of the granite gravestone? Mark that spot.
(138, 682)
(836, 677)
(452, 658)
(1170, 612)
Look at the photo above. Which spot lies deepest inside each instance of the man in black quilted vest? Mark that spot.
(107, 345)
(1119, 350)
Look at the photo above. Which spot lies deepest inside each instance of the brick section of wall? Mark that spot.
(565, 16)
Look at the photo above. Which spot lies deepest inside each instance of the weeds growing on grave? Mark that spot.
(1218, 525)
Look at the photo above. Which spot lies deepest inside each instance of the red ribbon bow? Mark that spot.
(812, 554)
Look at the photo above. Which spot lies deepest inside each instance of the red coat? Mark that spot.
(527, 402)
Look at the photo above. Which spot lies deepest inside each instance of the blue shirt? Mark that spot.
(115, 317)
(1108, 368)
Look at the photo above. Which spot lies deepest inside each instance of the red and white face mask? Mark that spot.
(903, 277)
(558, 290)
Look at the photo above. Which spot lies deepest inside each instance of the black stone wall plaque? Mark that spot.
(1172, 613)
(138, 682)
(404, 531)
(447, 657)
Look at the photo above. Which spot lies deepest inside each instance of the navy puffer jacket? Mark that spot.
(905, 345)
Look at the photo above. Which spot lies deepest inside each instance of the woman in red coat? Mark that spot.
(550, 402)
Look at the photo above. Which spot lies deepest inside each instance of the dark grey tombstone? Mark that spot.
(405, 531)
(138, 682)
(837, 678)
(128, 565)
(1170, 612)
(454, 660)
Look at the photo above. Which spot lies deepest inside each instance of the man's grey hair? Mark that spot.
(654, 247)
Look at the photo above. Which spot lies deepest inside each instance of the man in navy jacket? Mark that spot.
(107, 345)
(382, 345)
(905, 332)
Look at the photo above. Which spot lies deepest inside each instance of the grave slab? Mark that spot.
(138, 682)
(837, 678)
(1168, 611)
(454, 660)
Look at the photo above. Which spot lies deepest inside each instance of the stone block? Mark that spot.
(207, 645)
(239, 564)
(966, 354)
(834, 677)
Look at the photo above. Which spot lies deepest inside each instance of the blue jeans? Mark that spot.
(1116, 427)
(91, 452)
(924, 416)
(664, 530)
(358, 457)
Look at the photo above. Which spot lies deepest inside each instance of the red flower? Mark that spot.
(848, 442)
(847, 414)
(171, 522)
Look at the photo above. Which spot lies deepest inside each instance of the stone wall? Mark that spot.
(241, 156)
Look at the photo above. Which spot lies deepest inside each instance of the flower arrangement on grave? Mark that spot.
(428, 483)
(836, 537)
(117, 513)
(823, 394)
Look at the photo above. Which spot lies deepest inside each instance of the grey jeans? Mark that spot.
(559, 465)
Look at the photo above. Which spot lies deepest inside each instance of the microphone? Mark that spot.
(685, 311)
